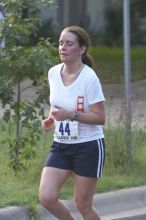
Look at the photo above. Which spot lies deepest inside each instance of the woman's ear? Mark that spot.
(83, 50)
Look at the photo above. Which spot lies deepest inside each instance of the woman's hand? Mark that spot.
(60, 114)
(48, 124)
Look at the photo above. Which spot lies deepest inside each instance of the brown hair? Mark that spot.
(83, 40)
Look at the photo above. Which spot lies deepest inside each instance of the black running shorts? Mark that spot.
(84, 159)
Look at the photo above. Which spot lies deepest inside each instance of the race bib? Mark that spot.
(66, 130)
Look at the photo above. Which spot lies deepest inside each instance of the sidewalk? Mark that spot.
(124, 204)
(133, 214)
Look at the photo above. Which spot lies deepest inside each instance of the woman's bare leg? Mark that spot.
(51, 182)
(84, 191)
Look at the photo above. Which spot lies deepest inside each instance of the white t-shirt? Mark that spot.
(87, 85)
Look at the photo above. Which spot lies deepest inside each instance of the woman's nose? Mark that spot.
(63, 46)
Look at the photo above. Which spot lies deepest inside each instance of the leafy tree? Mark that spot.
(20, 61)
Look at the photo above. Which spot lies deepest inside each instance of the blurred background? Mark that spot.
(29, 31)
(101, 18)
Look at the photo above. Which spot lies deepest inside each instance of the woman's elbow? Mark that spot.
(101, 120)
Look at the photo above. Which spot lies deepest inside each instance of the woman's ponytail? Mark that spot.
(87, 60)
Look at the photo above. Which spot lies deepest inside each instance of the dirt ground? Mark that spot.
(115, 96)
(115, 99)
(138, 91)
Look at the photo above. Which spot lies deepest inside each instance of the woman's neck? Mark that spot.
(70, 73)
(73, 68)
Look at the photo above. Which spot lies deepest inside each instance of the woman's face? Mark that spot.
(69, 49)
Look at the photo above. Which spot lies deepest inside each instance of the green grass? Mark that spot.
(117, 178)
(22, 188)
(109, 64)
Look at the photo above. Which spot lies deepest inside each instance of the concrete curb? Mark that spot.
(120, 200)
(14, 213)
(106, 204)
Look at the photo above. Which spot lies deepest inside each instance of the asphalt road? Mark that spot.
(137, 217)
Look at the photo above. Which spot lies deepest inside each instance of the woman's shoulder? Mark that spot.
(90, 73)
(54, 71)
(56, 67)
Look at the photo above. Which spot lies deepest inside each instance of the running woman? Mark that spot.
(77, 112)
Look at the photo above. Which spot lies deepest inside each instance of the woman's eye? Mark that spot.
(70, 44)
(60, 43)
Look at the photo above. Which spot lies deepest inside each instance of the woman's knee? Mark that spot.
(83, 204)
(46, 200)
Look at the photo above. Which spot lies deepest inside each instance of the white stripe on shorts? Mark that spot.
(100, 158)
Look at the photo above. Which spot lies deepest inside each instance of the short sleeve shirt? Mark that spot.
(86, 85)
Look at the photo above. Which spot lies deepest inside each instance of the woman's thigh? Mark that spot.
(84, 189)
(52, 180)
